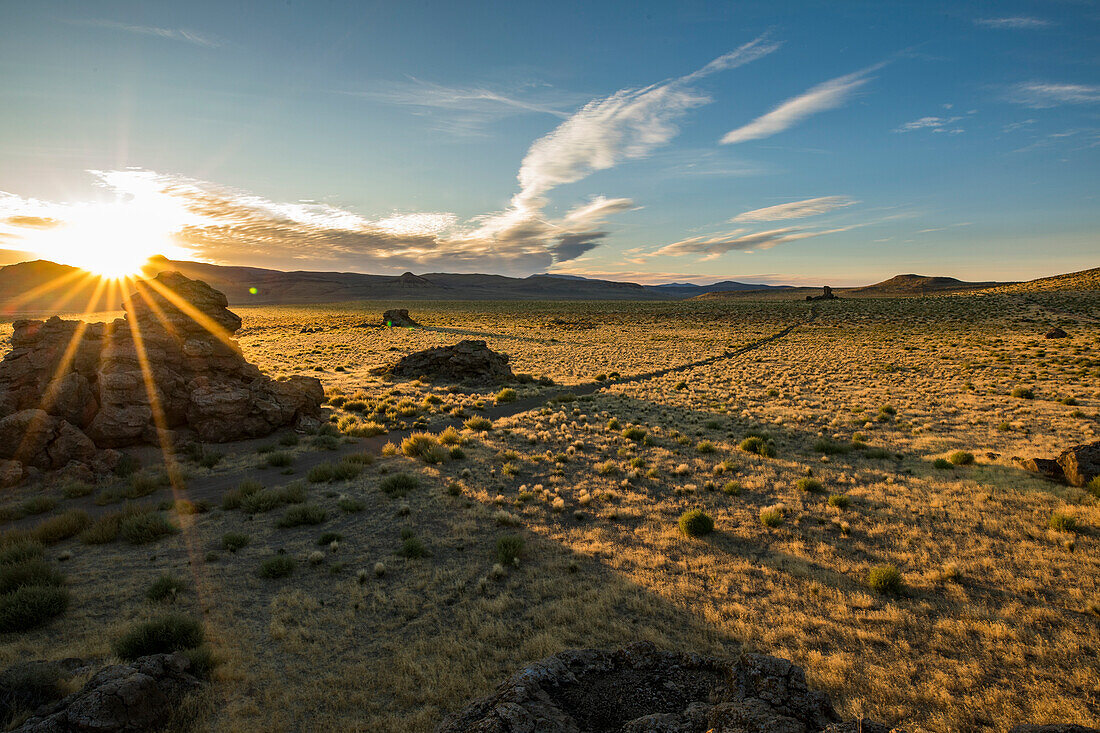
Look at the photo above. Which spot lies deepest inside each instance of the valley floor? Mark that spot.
(997, 622)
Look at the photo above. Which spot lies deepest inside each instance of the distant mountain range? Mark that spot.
(47, 286)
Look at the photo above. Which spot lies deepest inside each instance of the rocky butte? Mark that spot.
(71, 392)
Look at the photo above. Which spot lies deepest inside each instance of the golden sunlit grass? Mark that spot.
(986, 624)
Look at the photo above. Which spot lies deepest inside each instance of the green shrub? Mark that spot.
(233, 541)
(31, 606)
(165, 588)
(141, 528)
(399, 484)
(413, 548)
(277, 566)
(705, 446)
(302, 514)
(145, 483)
(1062, 522)
(942, 463)
(887, 411)
(696, 523)
(61, 527)
(423, 446)
(634, 433)
(961, 458)
(279, 459)
(106, 528)
(830, 447)
(29, 572)
(268, 499)
(478, 423)
(759, 445)
(509, 549)
(232, 499)
(505, 395)
(771, 517)
(327, 538)
(171, 633)
(1094, 486)
(38, 505)
(876, 453)
(810, 485)
(20, 550)
(732, 488)
(885, 579)
(1024, 393)
(840, 501)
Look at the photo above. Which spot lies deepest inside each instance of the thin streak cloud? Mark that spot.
(824, 96)
(796, 209)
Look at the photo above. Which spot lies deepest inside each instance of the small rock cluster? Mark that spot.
(137, 696)
(1056, 333)
(1077, 465)
(70, 389)
(466, 361)
(639, 689)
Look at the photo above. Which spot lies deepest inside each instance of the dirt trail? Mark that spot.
(211, 488)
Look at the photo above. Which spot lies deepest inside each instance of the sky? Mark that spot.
(775, 142)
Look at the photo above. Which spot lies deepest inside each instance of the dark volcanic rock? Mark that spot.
(467, 360)
(1047, 467)
(1056, 333)
(1081, 463)
(827, 294)
(639, 688)
(138, 696)
(69, 387)
(398, 318)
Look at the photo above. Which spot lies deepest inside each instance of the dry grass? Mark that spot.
(989, 627)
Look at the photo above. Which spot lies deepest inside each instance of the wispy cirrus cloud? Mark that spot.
(824, 96)
(173, 34)
(712, 247)
(1041, 95)
(468, 110)
(934, 124)
(796, 209)
(1017, 22)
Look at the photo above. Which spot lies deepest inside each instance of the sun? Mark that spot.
(113, 239)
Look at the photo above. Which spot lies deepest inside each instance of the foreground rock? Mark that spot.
(139, 696)
(827, 294)
(1056, 333)
(1077, 465)
(639, 688)
(466, 361)
(398, 318)
(69, 388)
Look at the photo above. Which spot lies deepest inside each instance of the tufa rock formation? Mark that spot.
(467, 360)
(137, 696)
(68, 388)
(640, 689)
(398, 318)
(827, 294)
(1077, 465)
(1056, 333)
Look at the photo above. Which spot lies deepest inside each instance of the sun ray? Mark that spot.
(215, 329)
(12, 304)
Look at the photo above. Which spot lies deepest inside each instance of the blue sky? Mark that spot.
(802, 142)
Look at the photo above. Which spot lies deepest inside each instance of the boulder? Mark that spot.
(138, 696)
(1046, 467)
(398, 318)
(1081, 463)
(1056, 333)
(467, 360)
(639, 688)
(69, 387)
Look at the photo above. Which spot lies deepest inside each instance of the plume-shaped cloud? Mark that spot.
(824, 96)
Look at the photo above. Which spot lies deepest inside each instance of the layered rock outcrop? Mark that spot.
(1077, 465)
(68, 388)
(398, 318)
